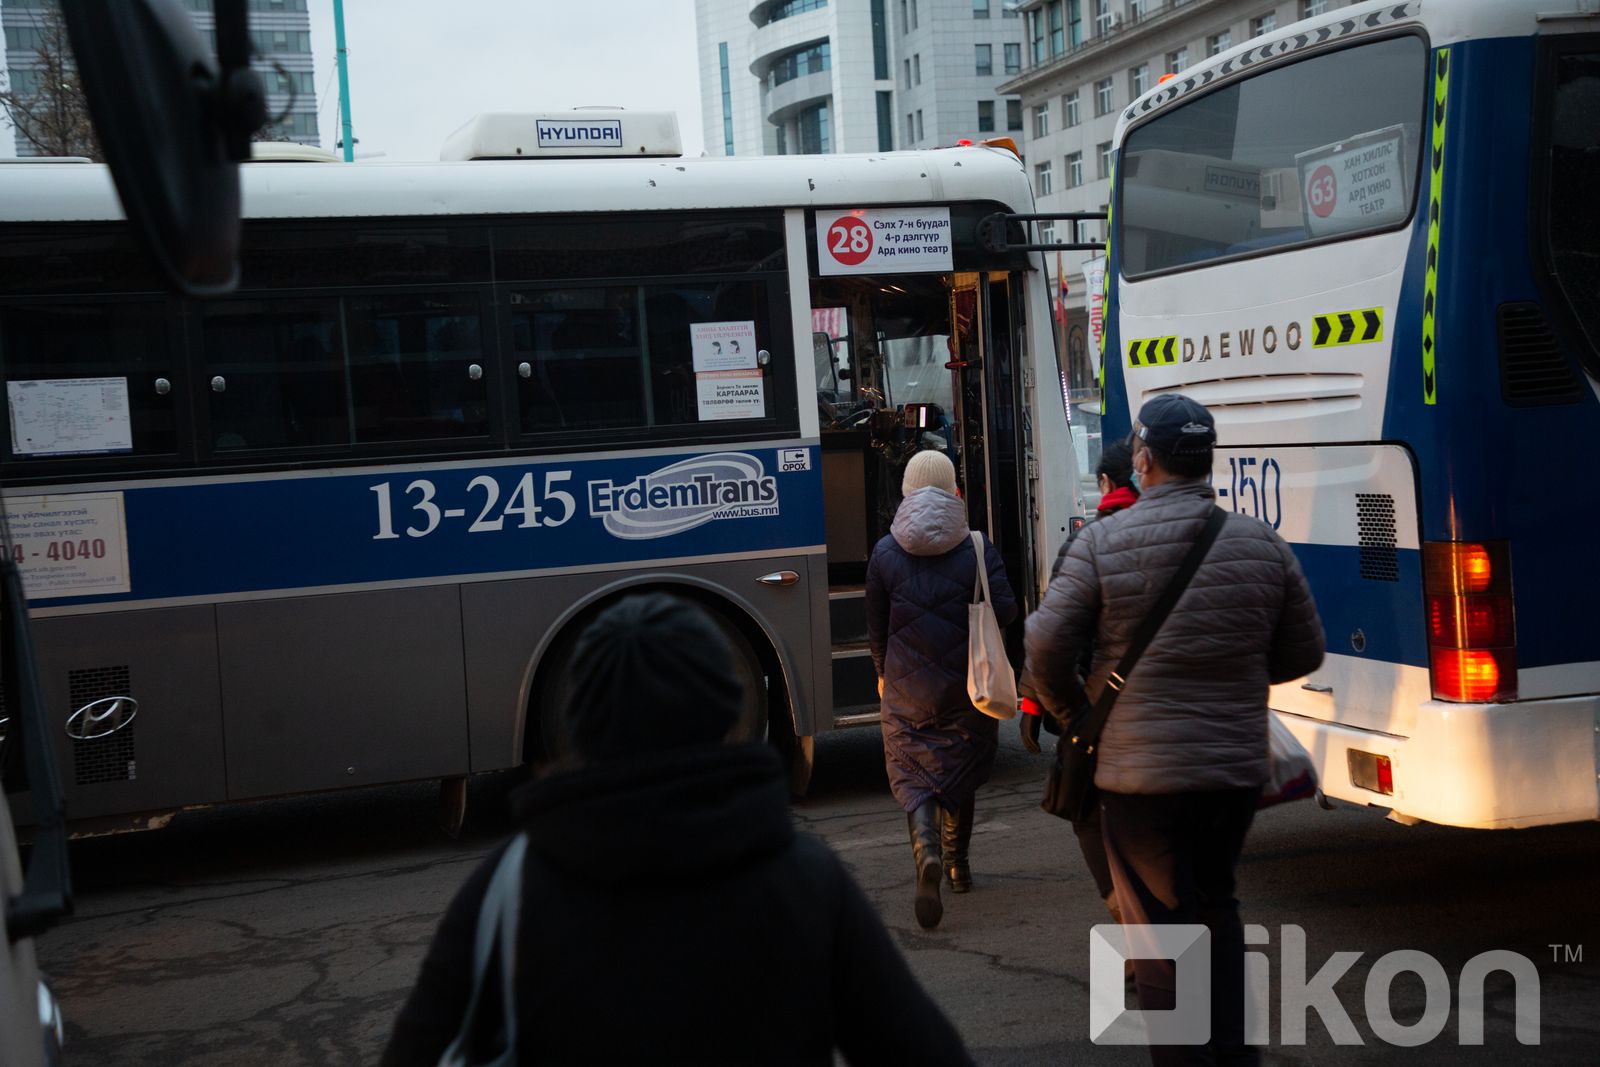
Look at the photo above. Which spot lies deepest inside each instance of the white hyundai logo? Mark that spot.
(101, 718)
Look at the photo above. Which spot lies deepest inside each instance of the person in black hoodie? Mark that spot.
(670, 913)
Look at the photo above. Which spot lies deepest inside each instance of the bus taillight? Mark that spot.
(1471, 631)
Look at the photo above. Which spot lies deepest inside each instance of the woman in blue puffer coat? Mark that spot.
(938, 748)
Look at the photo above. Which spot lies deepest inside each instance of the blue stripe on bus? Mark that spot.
(1387, 614)
(225, 538)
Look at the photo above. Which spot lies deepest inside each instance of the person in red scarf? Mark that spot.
(1114, 475)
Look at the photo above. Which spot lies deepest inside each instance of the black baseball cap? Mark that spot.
(1176, 425)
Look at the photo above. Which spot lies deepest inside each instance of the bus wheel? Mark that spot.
(751, 726)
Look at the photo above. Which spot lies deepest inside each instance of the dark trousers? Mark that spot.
(1172, 859)
(1092, 843)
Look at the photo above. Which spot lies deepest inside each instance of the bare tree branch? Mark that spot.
(50, 113)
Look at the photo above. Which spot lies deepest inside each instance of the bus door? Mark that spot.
(900, 364)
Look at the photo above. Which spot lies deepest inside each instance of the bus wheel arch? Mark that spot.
(771, 715)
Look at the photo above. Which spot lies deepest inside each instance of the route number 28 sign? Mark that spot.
(884, 241)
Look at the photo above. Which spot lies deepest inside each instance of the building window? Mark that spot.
(781, 140)
(985, 58)
(1074, 23)
(1312, 7)
(905, 20)
(813, 59)
(1074, 169)
(1138, 80)
(1218, 43)
(1041, 180)
(1071, 112)
(980, 9)
(1102, 17)
(1104, 97)
(913, 14)
(916, 69)
(727, 101)
(1178, 62)
(1041, 120)
(911, 128)
(790, 8)
(1264, 24)
(813, 129)
(919, 111)
(907, 62)
(1035, 36)
(1104, 149)
(1013, 59)
(985, 116)
(1057, 35)
(1013, 114)
(880, 41)
(1047, 233)
(1138, 9)
(1007, 11)
(885, 121)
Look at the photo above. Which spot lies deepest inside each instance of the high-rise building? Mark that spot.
(280, 31)
(787, 77)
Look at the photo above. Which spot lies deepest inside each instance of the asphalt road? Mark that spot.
(288, 932)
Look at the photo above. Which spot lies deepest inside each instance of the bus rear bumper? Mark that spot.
(1481, 766)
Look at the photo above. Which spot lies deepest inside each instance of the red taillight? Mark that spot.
(1471, 627)
(1368, 770)
(1469, 621)
(1474, 675)
(1385, 776)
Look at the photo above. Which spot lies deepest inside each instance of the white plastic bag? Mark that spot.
(991, 683)
(1291, 775)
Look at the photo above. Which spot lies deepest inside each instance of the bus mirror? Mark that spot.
(173, 122)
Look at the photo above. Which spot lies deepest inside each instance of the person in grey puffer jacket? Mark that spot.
(938, 749)
(1183, 757)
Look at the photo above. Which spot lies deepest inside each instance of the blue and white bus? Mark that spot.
(1369, 242)
(341, 527)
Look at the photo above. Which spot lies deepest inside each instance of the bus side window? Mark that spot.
(586, 363)
(127, 341)
(281, 363)
(410, 367)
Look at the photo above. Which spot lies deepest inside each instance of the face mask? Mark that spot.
(1133, 480)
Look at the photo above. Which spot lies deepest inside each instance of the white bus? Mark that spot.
(341, 527)
(1367, 242)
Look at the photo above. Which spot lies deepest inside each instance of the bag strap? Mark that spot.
(1088, 732)
(981, 582)
(497, 925)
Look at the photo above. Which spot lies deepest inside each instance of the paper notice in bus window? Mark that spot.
(1359, 184)
(721, 346)
(69, 545)
(69, 416)
(731, 394)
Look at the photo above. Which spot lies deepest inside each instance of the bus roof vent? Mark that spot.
(582, 133)
(290, 152)
(1532, 367)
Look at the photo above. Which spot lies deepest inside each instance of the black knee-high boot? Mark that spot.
(957, 838)
(924, 824)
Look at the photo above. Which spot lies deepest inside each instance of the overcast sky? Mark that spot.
(421, 68)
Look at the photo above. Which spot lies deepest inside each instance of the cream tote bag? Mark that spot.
(991, 683)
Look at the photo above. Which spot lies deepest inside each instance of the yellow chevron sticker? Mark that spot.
(1153, 351)
(1358, 327)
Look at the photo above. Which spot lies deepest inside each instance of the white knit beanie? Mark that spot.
(929, 470)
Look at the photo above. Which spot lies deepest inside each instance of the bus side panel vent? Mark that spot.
(1533, 369)
(101, 759)
(1380, 562)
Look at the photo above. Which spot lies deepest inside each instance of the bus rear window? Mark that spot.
(1573, 223)
(1324, 148)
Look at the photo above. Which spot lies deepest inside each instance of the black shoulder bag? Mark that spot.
(1069, 790)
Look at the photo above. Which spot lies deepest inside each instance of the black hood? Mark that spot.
(698, 810)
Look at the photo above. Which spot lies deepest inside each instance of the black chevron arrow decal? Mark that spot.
(1324, 327)
(1374, 323)
(1167, 350)
(1347, 327)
